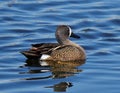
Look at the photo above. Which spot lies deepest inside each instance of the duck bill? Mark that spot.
(74, 35)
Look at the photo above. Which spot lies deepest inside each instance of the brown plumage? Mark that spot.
(38, 49)
(64, 50)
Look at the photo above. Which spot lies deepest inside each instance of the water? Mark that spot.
(24, 22)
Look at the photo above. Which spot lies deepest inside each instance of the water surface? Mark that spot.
(24, 22)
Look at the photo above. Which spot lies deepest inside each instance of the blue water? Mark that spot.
(25, 22)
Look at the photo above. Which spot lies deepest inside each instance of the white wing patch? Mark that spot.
(44, 57)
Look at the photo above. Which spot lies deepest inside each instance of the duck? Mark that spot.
(64, 50)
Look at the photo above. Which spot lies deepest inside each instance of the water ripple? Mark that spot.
(24, 22)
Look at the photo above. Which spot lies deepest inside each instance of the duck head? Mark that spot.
(63, 33)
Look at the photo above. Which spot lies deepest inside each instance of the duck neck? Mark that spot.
(67, 42)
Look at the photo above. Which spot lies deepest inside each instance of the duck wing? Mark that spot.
(38, 49)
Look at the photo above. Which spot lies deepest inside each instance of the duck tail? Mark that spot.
(31, 54)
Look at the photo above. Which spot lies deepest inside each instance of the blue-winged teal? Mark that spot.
(64, 50)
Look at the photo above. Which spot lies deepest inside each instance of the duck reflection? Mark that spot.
(58, 69)
(61, 87)
(61, 69)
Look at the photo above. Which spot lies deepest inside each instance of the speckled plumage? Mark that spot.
(64, 50)
(67, 53)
